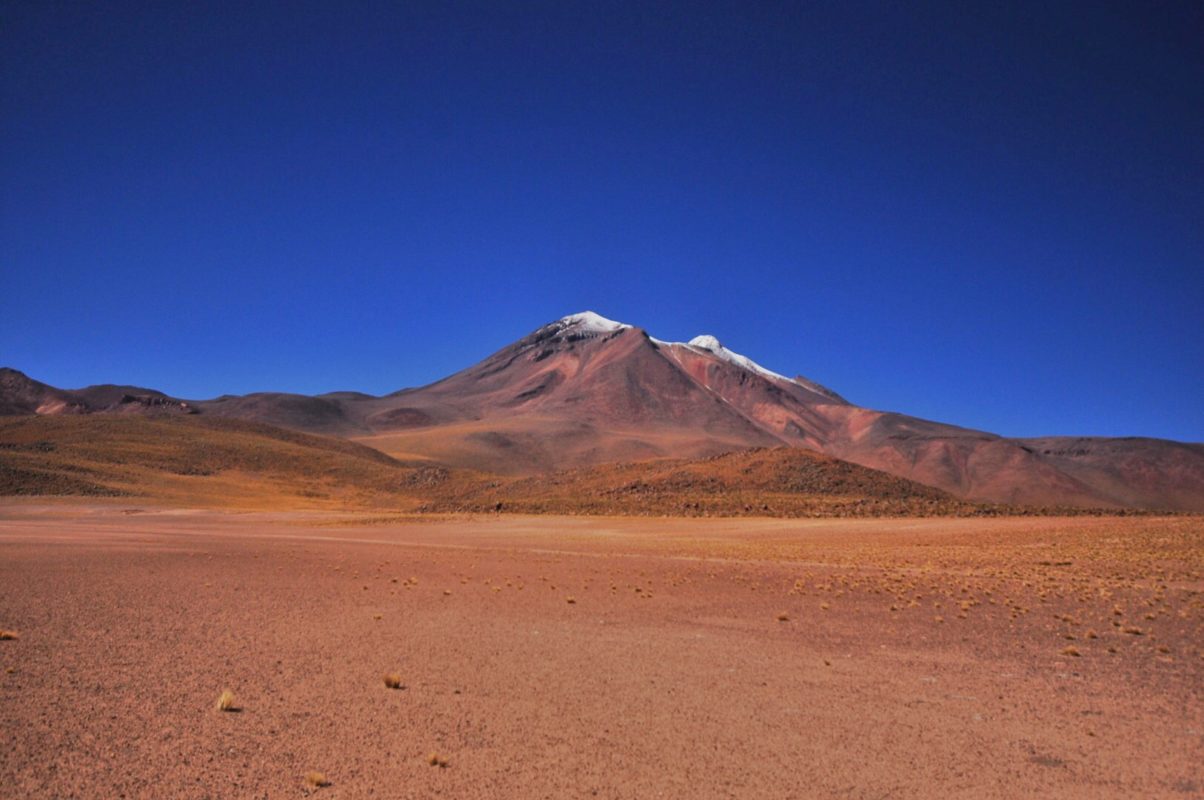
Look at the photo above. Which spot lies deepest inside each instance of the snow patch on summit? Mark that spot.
(712, 345)
(590, 322)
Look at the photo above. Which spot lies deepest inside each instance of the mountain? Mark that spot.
(584, 390)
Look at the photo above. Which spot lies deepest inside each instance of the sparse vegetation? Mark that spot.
(7, 635)
(226, 701)
(316, 780)
(860, 569)
(781, 482)
(195, 459)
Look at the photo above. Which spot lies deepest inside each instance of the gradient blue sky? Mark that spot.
(987, 216)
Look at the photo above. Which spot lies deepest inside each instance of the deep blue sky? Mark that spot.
(993, 217)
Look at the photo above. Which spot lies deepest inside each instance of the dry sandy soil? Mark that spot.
(614, 658)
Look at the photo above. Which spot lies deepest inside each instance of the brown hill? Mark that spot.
(1128, 471)
(189, 460)
(788, 482)
(22, 395)
(330, 416)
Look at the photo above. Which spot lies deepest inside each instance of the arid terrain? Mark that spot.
(232, 464)
(596, 657)
(601, 401)
(584, 391)
(579, 569)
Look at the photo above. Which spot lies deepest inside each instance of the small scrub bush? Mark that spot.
(316, 780)
(393, 681)
(6, 635)
(226, 702)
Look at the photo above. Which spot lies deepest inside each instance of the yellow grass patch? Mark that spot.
(226, 701)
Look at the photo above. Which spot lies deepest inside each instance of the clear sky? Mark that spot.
(986, 216)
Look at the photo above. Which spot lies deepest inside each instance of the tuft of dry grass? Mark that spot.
(6, 635)
(783, 617)
(316, 780)
(570, 600)
(436, 760)
(393, 681)
(1071, 651)
(226, 702)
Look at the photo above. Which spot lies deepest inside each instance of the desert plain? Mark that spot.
(550, 657)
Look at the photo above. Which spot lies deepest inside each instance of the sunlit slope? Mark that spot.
(192, 461)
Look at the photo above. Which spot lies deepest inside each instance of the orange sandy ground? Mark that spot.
(916, 658)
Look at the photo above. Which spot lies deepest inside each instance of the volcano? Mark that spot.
(585, 390)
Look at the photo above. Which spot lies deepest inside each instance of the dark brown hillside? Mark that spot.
(787, 482)
(328, 415)
(21, 394)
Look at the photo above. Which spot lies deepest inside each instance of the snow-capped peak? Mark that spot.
(706, 342)
(593, 323)
(712, 345)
